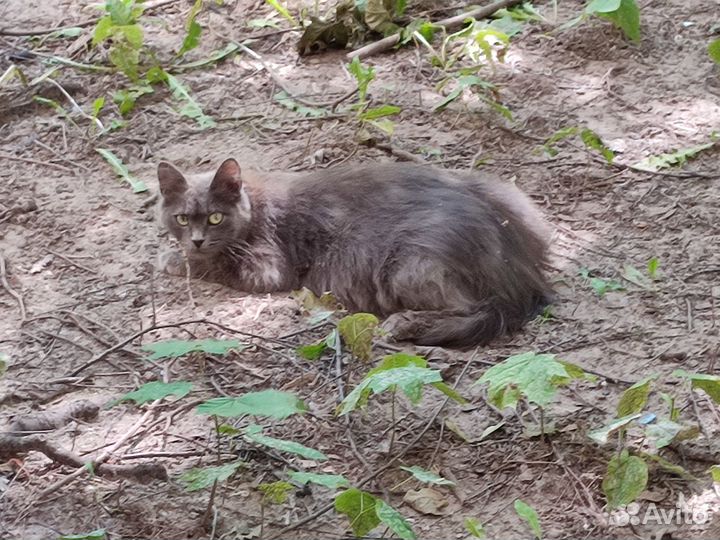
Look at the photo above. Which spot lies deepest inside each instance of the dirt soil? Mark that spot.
(79, 251)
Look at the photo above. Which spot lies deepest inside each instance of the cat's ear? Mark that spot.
(227, 182)
(172, 182)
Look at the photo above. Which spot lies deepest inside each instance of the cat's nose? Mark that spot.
(199, 242)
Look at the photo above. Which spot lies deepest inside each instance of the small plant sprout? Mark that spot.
(365, 512)
(401, 371)
(624, 14)
(357, 331)
(652, 268)
(530, 516)
(589, 138)
(205, 477)
(121, 27)
(599, 285)
(376, 116)
(474, 527)
(676, 158)
(534, 378)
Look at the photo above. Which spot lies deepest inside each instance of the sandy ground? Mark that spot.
(80, 249)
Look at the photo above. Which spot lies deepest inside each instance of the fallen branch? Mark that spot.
(449, 23)
(12, 446)
(82, 409)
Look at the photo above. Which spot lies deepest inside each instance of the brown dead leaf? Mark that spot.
(427, 501)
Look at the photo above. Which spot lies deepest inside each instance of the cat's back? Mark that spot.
(391, 188)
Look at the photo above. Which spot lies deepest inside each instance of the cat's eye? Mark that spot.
(182, 220)
(215, 218)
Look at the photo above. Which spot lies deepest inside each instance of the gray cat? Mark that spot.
(450, 258)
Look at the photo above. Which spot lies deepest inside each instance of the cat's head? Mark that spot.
(205, 212)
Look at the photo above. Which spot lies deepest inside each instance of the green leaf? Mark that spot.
(379, 112)
(192, 39)
(715, 473)
(625, 479)
(174, 348)
(463, 82)
(709, 383)
(394, 520)
(529, 514)
(679, 157)
(313, 351)
(602, 6)
(363, 76)
(253, 433)
(652, 268)
(271, 403)
(191, 108)
(409, 379)
(599, 285)
(360, 508)
(276, 492)
(97, 106)
(332, 481)
(282, 10)
(400, 7)
(450, 392)
(357, 331)
(714, 50)
(230, 431)
(627, 18)
(474, 527)
(98, 534)
(592, 140)
(126, 59)
(156, 390)
(205, 477)
(303, 110)
(663, 432)
(73, 31)
(558, 136)
(126, 98)
(634, 399)
(535, 376)
(384, 125)
(123, 11)
(103, 30)
(138, 186)
(133, 34)
(602, 435)
(427, 477)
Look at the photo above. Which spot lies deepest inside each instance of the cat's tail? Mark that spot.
(460, 329)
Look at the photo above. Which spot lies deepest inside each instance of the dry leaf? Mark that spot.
(427, 501)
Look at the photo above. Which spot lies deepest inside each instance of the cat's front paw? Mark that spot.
(172, 262)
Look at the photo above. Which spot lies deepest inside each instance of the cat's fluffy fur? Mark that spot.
(449, 257)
